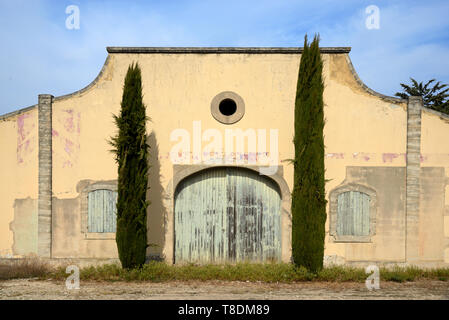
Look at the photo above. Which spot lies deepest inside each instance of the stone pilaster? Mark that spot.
(45, 175)
(413, 170)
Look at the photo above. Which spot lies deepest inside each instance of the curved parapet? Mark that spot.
(66, 96)
(334, 52)
(90, 85)
(342, 71)
(369, 90)
(385, 97)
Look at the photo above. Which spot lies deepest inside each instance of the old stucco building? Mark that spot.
(387, 161)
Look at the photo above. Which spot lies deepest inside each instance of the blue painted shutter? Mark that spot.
(102, 211)
(353, 214)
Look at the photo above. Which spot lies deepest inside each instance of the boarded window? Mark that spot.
(102, 211)
(353, 218)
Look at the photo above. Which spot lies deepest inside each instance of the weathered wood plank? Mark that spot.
(102, 211)
(353, 213)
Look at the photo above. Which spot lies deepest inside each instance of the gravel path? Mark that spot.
(218, 290)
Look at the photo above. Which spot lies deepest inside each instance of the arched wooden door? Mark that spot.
(227, 214)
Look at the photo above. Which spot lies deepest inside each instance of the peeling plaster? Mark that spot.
(389, 157)
(335, 155)
(26, 137)
(66, 140)
(24, 227)
(363, 156)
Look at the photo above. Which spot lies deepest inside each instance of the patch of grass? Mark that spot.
(23, 268)
(398, 274)
(341, 274)
(252, 272)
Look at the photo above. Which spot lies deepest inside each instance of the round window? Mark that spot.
(227, 107)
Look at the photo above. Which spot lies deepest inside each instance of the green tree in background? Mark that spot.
(433, 97)
(131, 149)
(308, 198)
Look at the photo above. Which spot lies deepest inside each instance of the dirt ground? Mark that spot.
(218, 290)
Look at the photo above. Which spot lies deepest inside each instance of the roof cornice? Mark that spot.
(204, 50)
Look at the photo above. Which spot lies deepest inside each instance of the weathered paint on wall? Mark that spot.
(18, 180)
(435, 153)
(24, 227)
(70, 241)
(431, 227)
(388, 242)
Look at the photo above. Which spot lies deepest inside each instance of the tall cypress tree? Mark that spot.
(131, 149)
(308, 198)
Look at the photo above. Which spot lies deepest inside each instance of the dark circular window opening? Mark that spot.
(227, 107)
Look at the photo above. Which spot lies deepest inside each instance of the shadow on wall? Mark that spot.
(156, 212)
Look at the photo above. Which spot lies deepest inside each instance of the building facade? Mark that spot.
(220, 131)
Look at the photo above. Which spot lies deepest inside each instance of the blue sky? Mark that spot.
(40, 55)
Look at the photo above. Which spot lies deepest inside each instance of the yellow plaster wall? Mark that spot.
(361, 130)
(178, 89)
